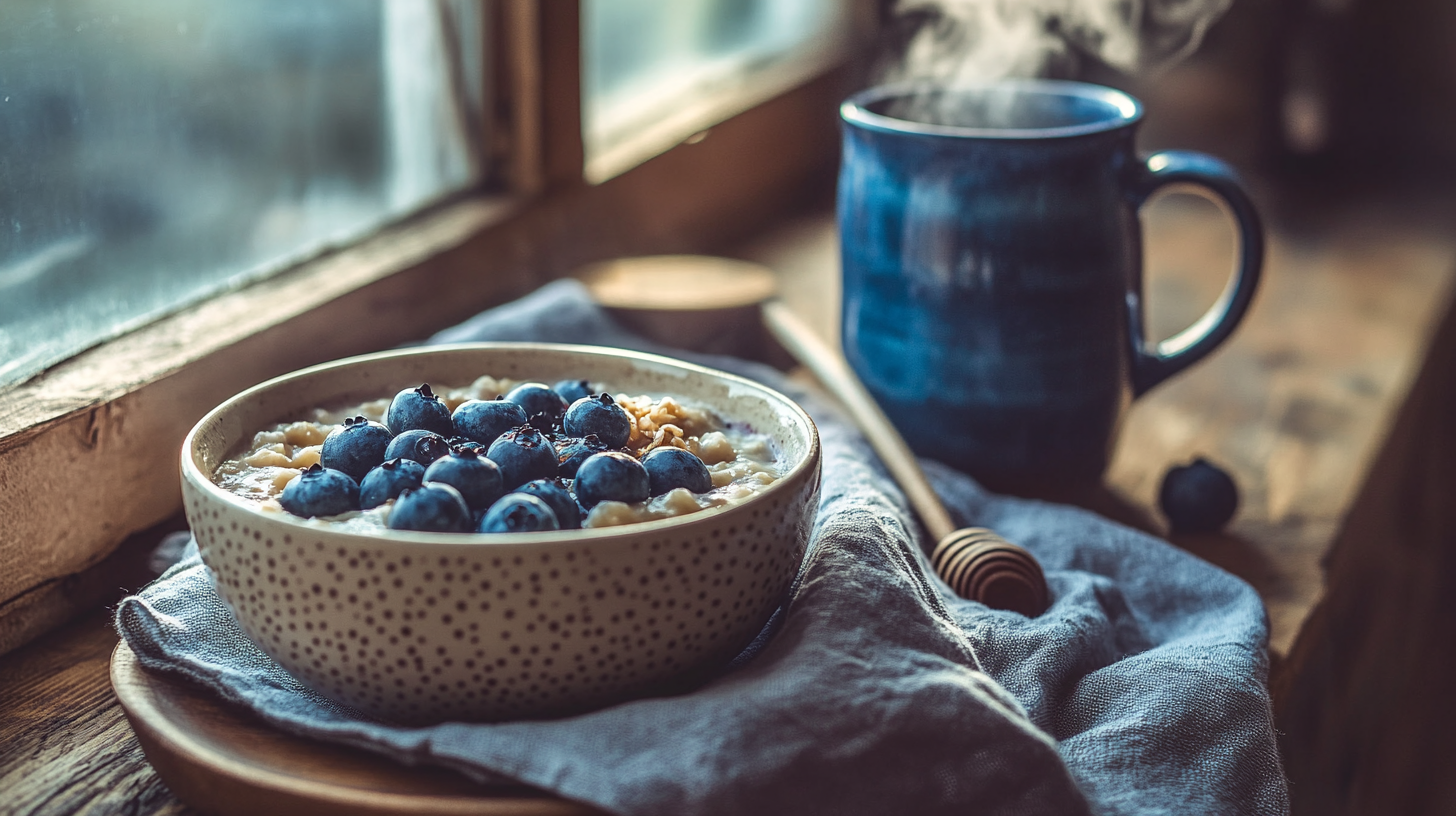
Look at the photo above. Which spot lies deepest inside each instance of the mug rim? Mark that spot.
(855, 110)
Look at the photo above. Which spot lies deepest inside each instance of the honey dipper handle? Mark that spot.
(840, 380)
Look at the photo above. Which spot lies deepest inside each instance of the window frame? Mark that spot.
(89, 449)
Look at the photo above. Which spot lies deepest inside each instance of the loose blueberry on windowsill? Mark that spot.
(432, 508)
(558, 498)
(1198, 497)
(519, 513)
(320, 491)
(570, 453)
(669, 468)
(391, 478)
(572, 390)
(523, 455)
(421, 446)
(356, 447)
(418, 409)
(477, 478)
(485, 420)
(599, 415)
(610, 476)
(537, 398)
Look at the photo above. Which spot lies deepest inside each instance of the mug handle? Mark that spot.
(1152, 363)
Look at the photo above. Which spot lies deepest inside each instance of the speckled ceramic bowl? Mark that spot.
(424, 627)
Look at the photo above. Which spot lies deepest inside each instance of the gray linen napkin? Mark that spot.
(874, 690)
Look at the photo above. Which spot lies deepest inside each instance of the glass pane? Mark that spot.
(158, 151)
(645, 61)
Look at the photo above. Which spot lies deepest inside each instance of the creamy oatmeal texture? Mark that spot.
(741, 463)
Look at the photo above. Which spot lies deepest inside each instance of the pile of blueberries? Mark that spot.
(535, 459)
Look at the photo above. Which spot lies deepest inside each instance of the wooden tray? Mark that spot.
(224, 761)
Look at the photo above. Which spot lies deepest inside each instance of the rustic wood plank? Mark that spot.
(1365, 704)
(67, 745)
(559, 48)
(693, 118)
(517, 63)
(51, 604)
(1298, 403)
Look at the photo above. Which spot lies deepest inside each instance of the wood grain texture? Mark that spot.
(518, 96)
(1366, 705)
(559, 49)
(1299, 402)
(67, 747)
(128, 568)
(226, 762)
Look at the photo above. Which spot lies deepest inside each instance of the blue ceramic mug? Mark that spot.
(993, 271)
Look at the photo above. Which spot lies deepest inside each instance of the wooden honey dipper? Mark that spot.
(976, 562)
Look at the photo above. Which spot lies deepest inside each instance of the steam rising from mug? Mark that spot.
(975, 41)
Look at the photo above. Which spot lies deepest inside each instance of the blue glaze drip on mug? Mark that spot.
(992, 276)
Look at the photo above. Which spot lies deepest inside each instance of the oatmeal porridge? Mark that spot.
(594, 458)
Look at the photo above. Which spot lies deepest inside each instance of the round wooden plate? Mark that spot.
(221, 760)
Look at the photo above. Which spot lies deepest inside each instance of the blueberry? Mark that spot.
(600, 415)
(558, 498)
(519, 513)
(545, 424)
(477, 478)
(536, 398)
(355, 447)
(1198, 497)
(422, 446)
(418, 409)
(523, 454)
(669, 468)
(485, 420)
(435, 508)
(611, 476)
(392, 477)
(572, 390)
(460, 443)
(320, 491)
(570, 453)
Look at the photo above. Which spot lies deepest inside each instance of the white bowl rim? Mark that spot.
(194, 474)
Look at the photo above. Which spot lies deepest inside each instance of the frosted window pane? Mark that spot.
(644, 60)
(155, 152)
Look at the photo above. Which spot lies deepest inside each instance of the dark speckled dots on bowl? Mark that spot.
(429, 627)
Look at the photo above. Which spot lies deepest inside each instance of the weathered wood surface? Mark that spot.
(1366, 708)
(1295, 406)
(1303, 397)
(65, 746)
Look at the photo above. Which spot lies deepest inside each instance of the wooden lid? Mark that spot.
(678, 283)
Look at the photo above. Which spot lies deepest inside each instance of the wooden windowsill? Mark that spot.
(94, 441)
(1297, 405)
